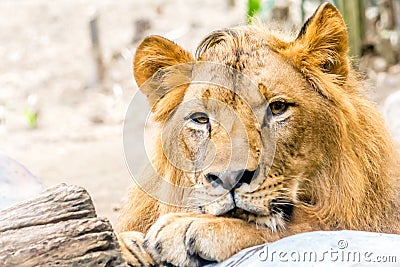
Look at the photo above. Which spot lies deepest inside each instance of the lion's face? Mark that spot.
(248, 150)
(246, 154)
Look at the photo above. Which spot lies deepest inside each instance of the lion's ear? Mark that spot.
(156, 53)
(322, 44)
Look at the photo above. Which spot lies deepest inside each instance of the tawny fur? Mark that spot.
(357, 183)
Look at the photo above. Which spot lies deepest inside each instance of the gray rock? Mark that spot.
(323, 248)
(16, 183)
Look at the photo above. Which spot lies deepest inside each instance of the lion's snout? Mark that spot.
(231, 180)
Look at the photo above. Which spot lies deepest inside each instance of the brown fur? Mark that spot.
(335, 154)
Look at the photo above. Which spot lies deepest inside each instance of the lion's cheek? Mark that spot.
(192, 144)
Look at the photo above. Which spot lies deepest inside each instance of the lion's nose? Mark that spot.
(230, 180)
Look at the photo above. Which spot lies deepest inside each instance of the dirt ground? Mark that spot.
(47, 66)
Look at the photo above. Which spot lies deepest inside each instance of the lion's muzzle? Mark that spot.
(231, 182)
(232, 179)
(241, 201)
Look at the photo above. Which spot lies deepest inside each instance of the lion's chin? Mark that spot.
(273, 221)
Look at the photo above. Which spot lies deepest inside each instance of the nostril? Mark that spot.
(214, 180)
(246, 177)
(231, 180)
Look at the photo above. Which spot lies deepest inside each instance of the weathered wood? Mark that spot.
(60, 228)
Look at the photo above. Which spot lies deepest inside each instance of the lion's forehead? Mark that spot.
(250, 52)
(224, 103)
(251, 88)
(239, 48)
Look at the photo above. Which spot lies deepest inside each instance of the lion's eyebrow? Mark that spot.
(267, 93)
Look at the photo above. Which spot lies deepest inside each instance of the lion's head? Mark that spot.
(279, 126)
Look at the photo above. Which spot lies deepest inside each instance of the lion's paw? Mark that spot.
(181, 240)
(131, 244)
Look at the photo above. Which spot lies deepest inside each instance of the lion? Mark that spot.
(310, 153)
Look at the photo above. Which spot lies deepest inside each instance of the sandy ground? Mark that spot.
(47, 66)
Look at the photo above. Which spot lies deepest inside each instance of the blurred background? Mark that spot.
(66, 74)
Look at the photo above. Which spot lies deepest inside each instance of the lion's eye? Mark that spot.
(200, 118)
(278, 107)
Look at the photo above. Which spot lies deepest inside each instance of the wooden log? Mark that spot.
(58, 228)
